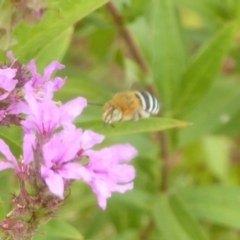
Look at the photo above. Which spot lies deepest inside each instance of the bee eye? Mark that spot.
(116, 115)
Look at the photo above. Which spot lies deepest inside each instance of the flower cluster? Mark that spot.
(53, 147)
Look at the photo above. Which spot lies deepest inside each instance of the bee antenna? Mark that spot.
(95, 104)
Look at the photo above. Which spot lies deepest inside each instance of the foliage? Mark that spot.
(191, 50)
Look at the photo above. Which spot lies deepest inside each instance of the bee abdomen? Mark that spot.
(149, 103)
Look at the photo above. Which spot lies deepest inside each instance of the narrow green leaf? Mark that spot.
(216, 204)
(60, 230)
(128, 127)
(185, 218)
(167, 49)
(202, 72)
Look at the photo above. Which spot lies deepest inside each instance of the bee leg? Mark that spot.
(144, 114)
(135, 117)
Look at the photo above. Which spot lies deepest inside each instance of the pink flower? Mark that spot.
(42, 83)
(45, 116)
(59, 154)
(109, 173)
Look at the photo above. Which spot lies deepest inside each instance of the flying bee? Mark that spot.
(130, 105)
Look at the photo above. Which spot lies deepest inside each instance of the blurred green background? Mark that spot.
(187, 183)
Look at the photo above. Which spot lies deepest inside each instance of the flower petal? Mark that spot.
(44, 116)
(36, 79)
(90, 138)
(53, 66)
(100, 188)
(122, 173)
(124, 152)
(50, 151)
(54, 181)
(9, 73)
(29, 142)
(63, 147)
(18, 108)
(58, 83)
(75, 171)
(122, 188)
(11, 57)
(5, 165)
(71, 109)
(4, 149)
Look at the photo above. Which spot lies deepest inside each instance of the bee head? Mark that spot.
(111, 114)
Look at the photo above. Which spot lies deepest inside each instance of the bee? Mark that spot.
(130, 105)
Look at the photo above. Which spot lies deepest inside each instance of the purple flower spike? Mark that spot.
(108, 174)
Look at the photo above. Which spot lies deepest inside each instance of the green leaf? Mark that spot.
(60, 230)
(212, 113)
(100, 40)
(12, 136)
(201, 74)
(216, 204)
(34, 39)
(54, 49)
(128, 127)
(167, 49)
(171, 226)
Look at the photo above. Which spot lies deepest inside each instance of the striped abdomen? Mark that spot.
(150, 104)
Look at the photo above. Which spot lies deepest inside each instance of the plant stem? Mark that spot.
(147, 231)
(136, 54)
(164, 155)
